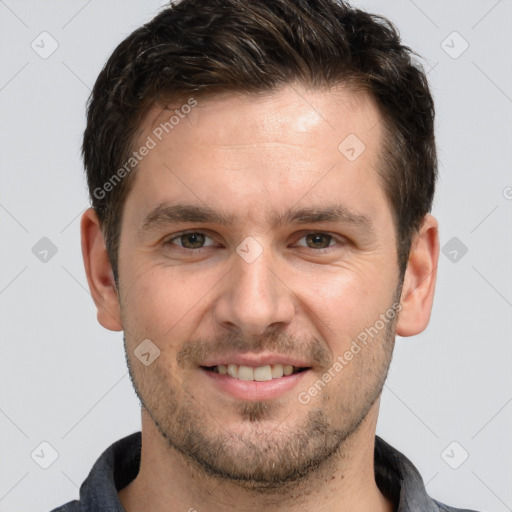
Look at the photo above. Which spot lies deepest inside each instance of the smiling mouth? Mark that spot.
(259, 373)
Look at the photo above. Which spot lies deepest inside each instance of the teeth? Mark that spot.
(233, 370)
(277, 371)
(261, 373)
(245, 373)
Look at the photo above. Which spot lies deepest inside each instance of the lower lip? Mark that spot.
(252, 389)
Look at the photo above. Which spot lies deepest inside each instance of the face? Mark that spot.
(252, 242)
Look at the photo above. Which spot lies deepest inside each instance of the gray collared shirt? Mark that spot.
(119, 464)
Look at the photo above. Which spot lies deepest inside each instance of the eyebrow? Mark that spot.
(166, 213)
(179, 213)
(332, 213)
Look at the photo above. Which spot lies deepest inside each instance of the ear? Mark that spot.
(419, 280)
(99, 272)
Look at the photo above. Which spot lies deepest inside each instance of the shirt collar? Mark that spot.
(399, 480)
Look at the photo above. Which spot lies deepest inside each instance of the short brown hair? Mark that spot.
(203, 47)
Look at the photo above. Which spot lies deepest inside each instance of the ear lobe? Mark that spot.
(419, 280)
(99, 272)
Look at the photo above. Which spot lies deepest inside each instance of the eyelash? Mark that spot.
(339, 240)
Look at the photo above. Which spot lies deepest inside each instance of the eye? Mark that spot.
(191, 240)
(317, 241)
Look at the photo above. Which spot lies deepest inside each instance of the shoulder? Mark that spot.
(72, 506)
(445, 508)
(116, 467)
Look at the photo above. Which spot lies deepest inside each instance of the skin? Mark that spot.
(253, 158)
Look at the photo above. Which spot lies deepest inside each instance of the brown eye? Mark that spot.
(194, 240)
(318, 240)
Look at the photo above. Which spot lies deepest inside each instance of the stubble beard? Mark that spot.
(263, 457)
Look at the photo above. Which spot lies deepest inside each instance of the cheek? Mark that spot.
(163, 300)
(345, 302)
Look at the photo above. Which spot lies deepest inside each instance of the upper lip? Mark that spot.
(255, 360)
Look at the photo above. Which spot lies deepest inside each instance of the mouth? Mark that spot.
(260, 373)
(253, 383)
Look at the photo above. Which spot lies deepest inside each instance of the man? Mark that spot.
(261, 176)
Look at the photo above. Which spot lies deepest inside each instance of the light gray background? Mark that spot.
(63, 377)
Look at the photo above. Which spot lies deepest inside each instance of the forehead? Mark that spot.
(291, 111)
(270, 149)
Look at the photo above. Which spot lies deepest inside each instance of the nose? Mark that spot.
(254, 298)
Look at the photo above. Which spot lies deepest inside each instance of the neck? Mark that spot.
(346, 481)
